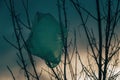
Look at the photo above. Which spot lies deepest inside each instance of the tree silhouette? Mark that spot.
(102, 48)
(103, 44)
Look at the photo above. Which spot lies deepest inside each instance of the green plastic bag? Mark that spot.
(45, 39)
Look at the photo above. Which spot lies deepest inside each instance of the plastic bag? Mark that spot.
(45, 39)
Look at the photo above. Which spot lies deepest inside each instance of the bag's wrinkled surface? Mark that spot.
(45, 39)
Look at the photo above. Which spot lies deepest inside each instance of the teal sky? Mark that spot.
(45, 6)
(8, 53)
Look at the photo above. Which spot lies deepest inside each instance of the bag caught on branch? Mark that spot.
(45, 39)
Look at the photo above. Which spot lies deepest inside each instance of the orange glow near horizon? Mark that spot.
(19, 75)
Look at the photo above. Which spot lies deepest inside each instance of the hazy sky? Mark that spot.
(8, 53)
(44, 6)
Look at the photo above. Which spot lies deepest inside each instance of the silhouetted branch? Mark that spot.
(11, 73)
(13, 45)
